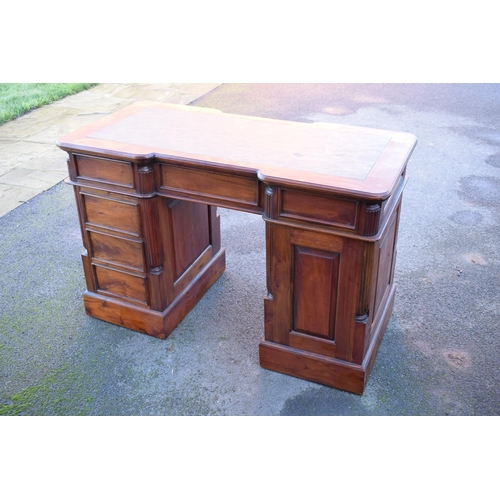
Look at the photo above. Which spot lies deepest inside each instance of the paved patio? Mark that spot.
(30, 161)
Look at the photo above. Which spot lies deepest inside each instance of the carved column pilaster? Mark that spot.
(363, 306)
(154, 251)
(372, 219)
(145, 180)
(268, 212)
(268, 202)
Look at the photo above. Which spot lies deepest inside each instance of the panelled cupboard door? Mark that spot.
(313, 288)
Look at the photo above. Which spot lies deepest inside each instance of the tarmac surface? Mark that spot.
(440, 353)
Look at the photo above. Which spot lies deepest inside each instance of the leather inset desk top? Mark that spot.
(234, 139)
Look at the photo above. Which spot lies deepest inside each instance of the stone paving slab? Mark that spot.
(30, 161)
(13, 196)
(34, 179)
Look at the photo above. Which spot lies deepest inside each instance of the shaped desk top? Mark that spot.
(324, 156)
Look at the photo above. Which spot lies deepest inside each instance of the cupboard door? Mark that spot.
(312, 298)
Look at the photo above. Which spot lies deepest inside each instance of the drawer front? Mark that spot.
(111, 213)
(120, 284)
(331, 211)
(117, 251)
(90, 168)
(192, 181)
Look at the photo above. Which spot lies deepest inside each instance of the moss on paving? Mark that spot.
(57, 393)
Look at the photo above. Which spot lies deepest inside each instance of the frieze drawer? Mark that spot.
(115, 172)
(326, 210)
(223, 187)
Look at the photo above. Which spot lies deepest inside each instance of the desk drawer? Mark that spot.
(325, 210)
(210, 184)
(121, 285)
(114, 172)
(117, 251)
(116, 213)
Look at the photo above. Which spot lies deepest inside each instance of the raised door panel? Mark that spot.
(315, 282)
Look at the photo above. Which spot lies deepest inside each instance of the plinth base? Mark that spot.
(324, 370)
(159, 324)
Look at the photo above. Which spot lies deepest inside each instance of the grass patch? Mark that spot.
(16, 99)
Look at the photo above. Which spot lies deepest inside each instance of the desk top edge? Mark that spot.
(378, 182)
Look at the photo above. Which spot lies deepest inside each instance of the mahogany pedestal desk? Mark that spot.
(148, 179)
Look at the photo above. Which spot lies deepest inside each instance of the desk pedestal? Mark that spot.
(329, 300)
(147, 261)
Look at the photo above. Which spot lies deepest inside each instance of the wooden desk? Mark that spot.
(148, 180)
